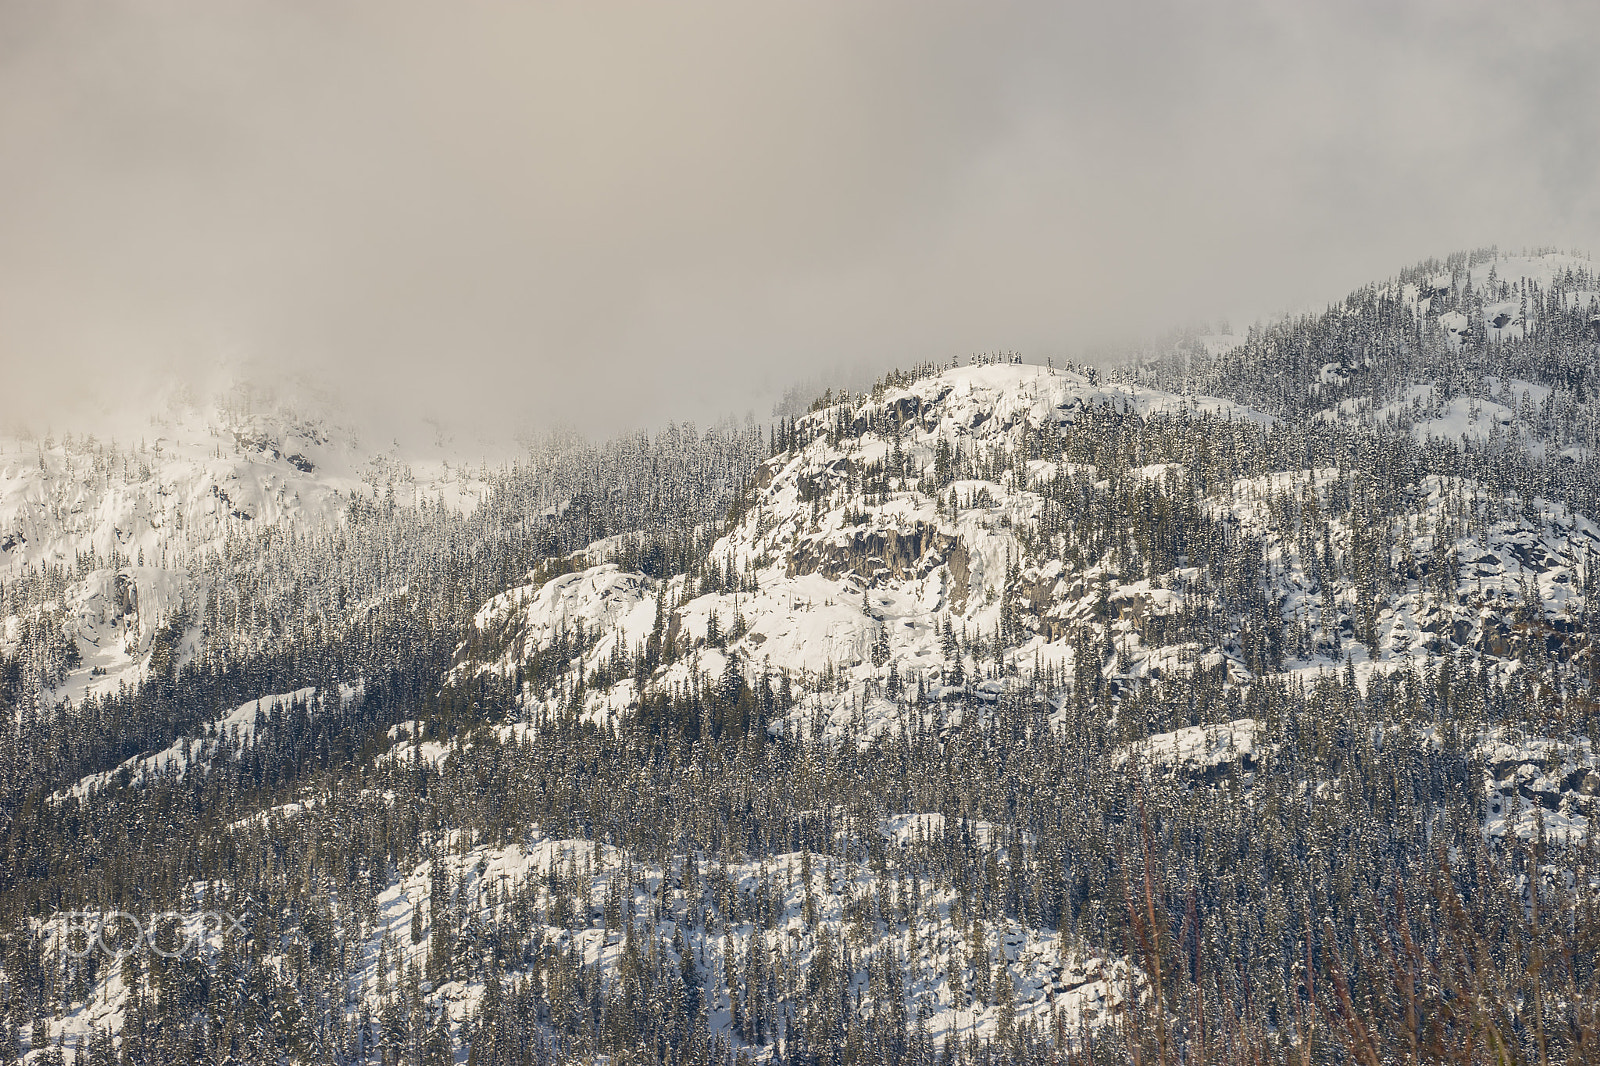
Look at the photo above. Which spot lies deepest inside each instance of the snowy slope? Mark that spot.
(830, 578)
(848, 592)
(199, 471)
(888, 569)
(1443, 381)
(127, 515)
(231, 734)
(765, 908)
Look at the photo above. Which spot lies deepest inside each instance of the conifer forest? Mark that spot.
(1233, 704)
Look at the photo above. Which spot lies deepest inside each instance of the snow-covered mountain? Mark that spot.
(127, 521)
(931, 509)
(860, 548)
(610, 910)
(995, 709)
(199, 470)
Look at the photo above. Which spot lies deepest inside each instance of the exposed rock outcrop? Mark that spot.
(887, 554)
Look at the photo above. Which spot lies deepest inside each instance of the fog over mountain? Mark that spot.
(615, 215)
(799, 534)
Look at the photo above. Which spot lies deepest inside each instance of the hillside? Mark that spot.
(1013, 528)
(1188, 707)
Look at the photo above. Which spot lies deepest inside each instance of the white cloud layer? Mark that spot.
(609, 215)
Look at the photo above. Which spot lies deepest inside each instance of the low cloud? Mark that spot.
(608, 215)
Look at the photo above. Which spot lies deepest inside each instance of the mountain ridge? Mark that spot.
(996, 710)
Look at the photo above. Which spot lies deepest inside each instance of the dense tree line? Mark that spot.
(1256, 870)
(1329, 896)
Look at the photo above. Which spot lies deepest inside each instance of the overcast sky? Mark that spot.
(609, 215)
